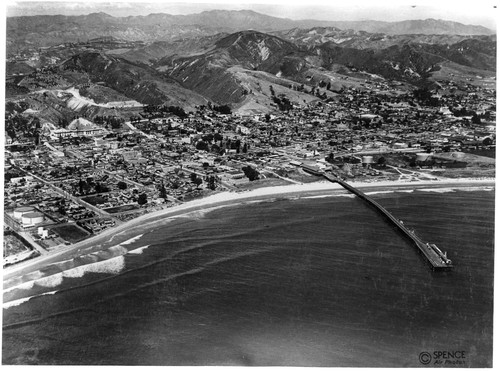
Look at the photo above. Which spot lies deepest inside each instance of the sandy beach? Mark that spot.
(133, 228)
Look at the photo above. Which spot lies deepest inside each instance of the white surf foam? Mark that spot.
(109, 253)
(347, 195)
(110, 266)
(199, 214)
(15, 303)
(50, 281)
(437, 190)
(23, 286)
(475, 189)
(321, 196)
(139, 250)
(133, 239)
(378, 192)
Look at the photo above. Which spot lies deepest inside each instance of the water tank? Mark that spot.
(20, 211)
(367, 159)
(32, 218)
(423, 156)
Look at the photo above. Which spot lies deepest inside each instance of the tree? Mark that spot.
(208, 138)
(381, 161)
(61, 208)
(424, 96)
(163, 192)
(143, 199)
(202, 146)
(198, 181)
(116, 124)
(224, 109)
(476, 119)
(178, 111)
(487, 141)
(215, 148)
(251, 173)
(81, 185)
(211, 182)
(122, 185)
(63, 122)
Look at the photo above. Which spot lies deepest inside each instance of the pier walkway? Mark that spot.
(436, 258)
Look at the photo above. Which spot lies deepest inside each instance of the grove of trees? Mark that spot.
(251, 173)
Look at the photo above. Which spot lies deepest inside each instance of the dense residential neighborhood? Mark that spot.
(90, 176)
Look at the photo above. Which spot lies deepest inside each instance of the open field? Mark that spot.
(70, 233)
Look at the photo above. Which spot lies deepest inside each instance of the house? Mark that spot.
(242, 129)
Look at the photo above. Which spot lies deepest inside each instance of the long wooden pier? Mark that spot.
(436, 258)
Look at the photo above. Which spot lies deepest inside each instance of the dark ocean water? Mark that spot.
(317, 282)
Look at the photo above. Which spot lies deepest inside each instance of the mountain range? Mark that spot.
(243, 59)
(46, 30)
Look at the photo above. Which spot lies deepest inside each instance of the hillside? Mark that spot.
(182, 47)
(136, 81)
(362, 39)
(411, 62)
(208, 73)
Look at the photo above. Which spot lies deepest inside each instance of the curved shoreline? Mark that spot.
(226, 199)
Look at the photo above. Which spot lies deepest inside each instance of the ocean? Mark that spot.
(312, 281)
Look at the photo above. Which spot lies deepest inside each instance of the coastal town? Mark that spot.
(65, 184)
(278, 184)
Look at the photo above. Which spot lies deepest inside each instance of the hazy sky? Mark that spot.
(482, 12)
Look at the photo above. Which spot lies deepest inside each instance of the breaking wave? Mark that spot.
(133, 239)
(110, 266)
(475, 189)
(15, 303)
(320, 196)
(115, 265)
(110, 261)
(139, 250)
(199, 214)
(437, 190)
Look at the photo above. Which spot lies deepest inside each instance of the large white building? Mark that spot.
(78, 128)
